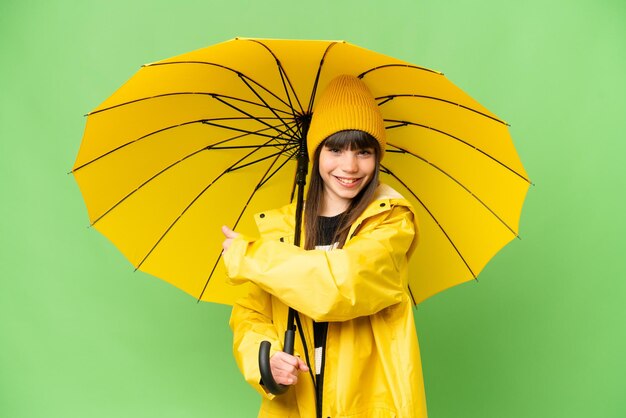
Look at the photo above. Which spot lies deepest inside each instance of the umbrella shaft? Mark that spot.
(303, 164)
(290, 336)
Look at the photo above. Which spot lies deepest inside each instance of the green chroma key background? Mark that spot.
(542, 333)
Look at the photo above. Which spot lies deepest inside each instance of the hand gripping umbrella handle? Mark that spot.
(264, 363)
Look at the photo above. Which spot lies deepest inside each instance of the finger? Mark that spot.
(284, 377)
(281, 365)
(287, 358)
(285, 369)
(286, 380)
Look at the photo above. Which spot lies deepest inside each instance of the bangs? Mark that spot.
(352, 140)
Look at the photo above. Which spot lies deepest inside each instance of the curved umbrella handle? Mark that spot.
(264, 363)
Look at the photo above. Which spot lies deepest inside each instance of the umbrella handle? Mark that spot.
(264, 363)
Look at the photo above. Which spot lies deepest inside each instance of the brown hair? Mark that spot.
(351, 139)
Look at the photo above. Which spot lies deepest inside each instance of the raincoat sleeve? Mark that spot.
(360, 279)
(251, 323)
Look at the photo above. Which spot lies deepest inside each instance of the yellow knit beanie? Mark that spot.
(346, 104)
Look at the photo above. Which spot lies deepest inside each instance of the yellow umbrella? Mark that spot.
(210, 137)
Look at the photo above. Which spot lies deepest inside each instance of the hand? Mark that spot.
(230, 236)
(286, 368)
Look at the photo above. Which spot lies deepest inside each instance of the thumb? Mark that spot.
(228, 233)
(302, 365)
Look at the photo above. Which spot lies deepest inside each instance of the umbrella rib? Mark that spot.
(248, 114)
(317, 76)
(387, 171)
(411, 294)
(401, 124)
(263, 158)
(134, 141)
(263, 100)
(194, 200)
(411, 66)
(207, 148)
(388, 98)
(239, 73)
(212, 148)
(246, 132)
(283, 75)
(203, 121)
(257, 187)
(181, 93)
(436, 167)
(275, 171)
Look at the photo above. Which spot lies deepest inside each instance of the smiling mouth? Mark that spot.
(347, 181)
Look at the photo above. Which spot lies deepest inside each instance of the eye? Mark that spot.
(366, 151)
(333, 150)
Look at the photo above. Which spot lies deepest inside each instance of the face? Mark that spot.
(345, 173)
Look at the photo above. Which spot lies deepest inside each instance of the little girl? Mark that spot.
(357, 353)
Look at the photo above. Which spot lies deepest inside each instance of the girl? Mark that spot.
(357, 353)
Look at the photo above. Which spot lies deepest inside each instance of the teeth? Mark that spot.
(347, 181)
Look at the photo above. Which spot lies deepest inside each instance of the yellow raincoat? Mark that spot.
(372, 367)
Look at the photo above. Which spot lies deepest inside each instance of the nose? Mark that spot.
(349, 162)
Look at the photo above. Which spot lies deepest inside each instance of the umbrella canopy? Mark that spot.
(210, 137)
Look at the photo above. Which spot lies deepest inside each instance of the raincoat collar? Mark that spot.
(278, 223)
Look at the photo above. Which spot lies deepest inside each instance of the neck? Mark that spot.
(331, 207)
